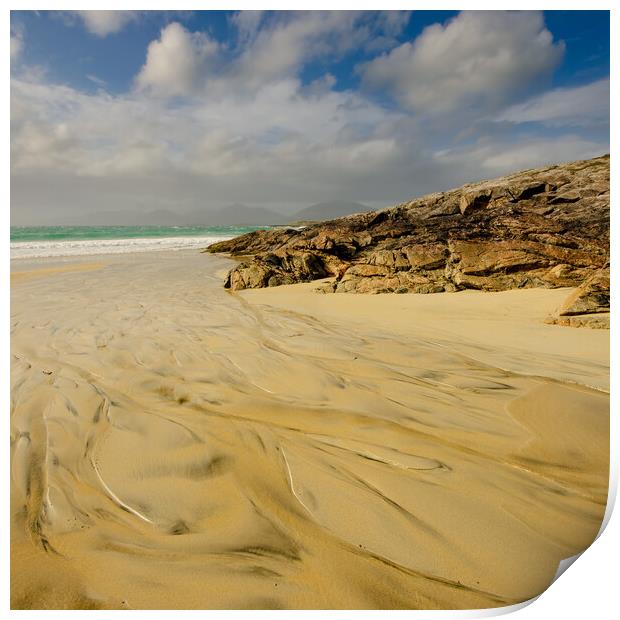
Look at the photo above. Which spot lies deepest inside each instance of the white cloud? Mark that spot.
(286, 42)
(96, 80)
(17, 42)
(103, 23)
(281, 48)
(279, 128)
(384, 28)
(479, 58)
(574, 106)
(321, 85)
(499, 156)
(175, 61)
(270, 48)
(247, 24)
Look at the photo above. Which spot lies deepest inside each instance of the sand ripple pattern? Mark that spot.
(174, 446)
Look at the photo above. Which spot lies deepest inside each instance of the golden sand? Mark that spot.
(178, 446)
(20, 276)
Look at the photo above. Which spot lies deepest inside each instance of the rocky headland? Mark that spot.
(547, 227)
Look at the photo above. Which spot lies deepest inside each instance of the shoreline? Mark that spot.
(80, 249)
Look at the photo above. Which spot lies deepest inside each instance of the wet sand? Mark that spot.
(18, 275)
(177, 446)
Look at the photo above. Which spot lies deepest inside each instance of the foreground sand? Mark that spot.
(177, 446)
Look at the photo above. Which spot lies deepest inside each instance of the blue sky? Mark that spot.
(185, 110)
(117, 57)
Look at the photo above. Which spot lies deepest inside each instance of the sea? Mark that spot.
(59, 241)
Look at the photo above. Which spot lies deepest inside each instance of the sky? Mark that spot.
(140, 111)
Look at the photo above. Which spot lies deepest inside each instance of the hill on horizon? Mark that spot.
(329, 210)
(234, 215)
(229, 215)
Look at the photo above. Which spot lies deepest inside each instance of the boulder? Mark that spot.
(590, 297)
(588, 305)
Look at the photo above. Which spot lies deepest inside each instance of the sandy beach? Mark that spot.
(175, 445)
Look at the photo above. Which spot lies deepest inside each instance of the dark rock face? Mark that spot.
(547, 227)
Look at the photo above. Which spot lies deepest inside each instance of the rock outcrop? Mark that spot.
(547, 227)
(588, 305)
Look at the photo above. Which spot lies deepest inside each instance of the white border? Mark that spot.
(587, 588)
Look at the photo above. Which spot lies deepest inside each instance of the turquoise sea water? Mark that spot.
(59, 241)
(67, 233)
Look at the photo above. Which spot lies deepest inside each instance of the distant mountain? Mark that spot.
(234, 215)
(328, 211)
(230, 215)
